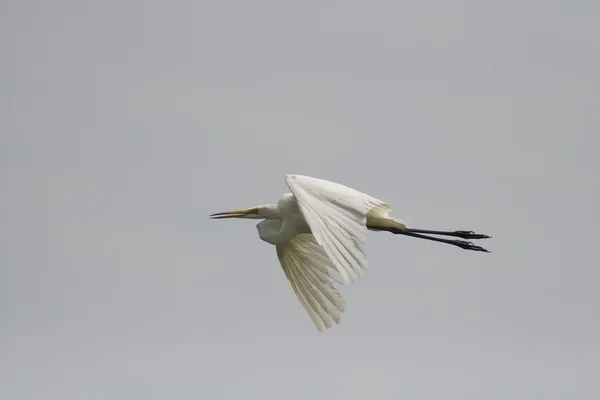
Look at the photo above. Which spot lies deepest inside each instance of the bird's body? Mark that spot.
(319, 230)
(286, 222)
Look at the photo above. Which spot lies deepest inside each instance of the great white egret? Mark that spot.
(319, 230)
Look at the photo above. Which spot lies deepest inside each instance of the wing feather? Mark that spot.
(308, 246)
(309, 270)
(336, 215)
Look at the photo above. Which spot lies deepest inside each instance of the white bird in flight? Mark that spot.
(319, 230)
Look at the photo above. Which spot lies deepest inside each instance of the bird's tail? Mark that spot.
(380, 223)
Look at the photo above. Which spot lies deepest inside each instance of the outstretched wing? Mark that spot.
(308, 269)
(336, 215)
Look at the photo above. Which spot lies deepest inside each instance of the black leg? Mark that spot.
(460, 234)
(459, 243)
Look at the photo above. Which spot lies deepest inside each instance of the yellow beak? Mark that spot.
(233, 214)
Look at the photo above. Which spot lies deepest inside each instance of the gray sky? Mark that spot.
(125, 123)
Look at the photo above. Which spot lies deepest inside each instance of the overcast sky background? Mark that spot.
(125, 123)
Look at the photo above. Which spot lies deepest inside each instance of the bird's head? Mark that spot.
(257, 212)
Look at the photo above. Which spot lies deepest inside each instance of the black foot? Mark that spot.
(470, 235)
(468, 246)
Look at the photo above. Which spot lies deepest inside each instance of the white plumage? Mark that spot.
(337, 216)
(319, 230)
(309, 269)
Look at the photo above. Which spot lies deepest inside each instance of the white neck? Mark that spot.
(268, 211)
